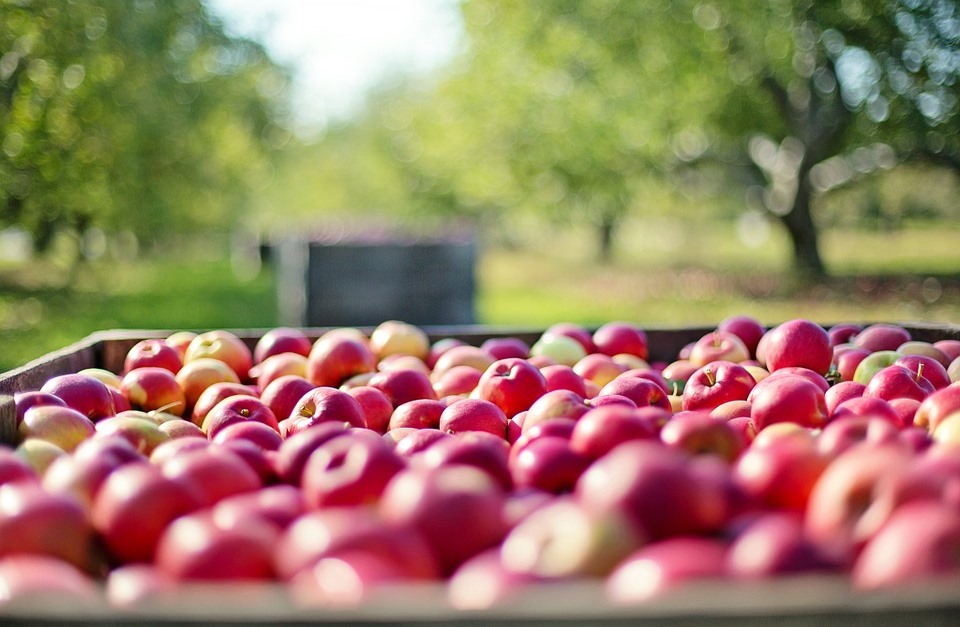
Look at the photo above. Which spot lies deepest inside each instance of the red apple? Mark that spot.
(697, 432)
(843, 333)
(283, 394)
(417, 440)
(716, 383)
(798, 342)
(214, 472)
(731, 409)
(473, 414)
(199, 374)
(265, 436)
(25, 400)
(479, 449)
(281, 340)
(848, 361)
(14, 468)
(35, 521)
(216, 393)
(924, 349)
(512, 384)
(718, 346)
(661, 567)
(950, 348)
(774, 543)
(458, 380)
(135, 585)
(548, 463)
(403, 385)
(881, 337)
(898, 382)
(152, 388)
(35, 579)
(349, 470)
(926, 367)
(236, 409)
(84, 393)
(418, 414)
(846, 431)
(840, 392)
(906, 409)
(377, 408)
(781, 472)
(464, 355)
(440, 347)
(563, 377)
(277, 366)
(747, 328)
(296, 449)
(153, 352)
(319, 405)
(223, 346)
(336, 357)
(553, 405)
(643, 392)
(483, 582)
(276, 505)
(938, 406)
(788, 399)
(615, 338)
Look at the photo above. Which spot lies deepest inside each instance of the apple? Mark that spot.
(377, 408)
(906, 409)
(473, 414)
(199, 374)
(88, 395)
(276, 505)
(483, 582)
(561, 349)
(223, 346)
(281, 340)
(578, 332)
(156, 353)
(464, 355)
(276, 366)
(440, 347)
(482, 450)
(180, 341)
(236, 409)
(403, 385)
(868, 406)
(215, 473)
(336, 357)
(421, 413)
(138, 428)
(953, 371)
(35, 521)
(843, 333)
(774, 543)
(747, 328)
(34, 579)
(798, 342)
(848, 361)
(296, 449)
(926, 367)
(639, 472)
(840, 392)
(697, 432)
(780, 473)
(924, 349)
(618, 337)
(562, 377)
(396, 337)
(817, 379)
(716, 383)
(134, 505)
(659, 568)
(846, 431)
(62, 426)
(283, 394)
(548, 463)
(731, 409)
(136, 585)
(937, 406)
(216, 393)
(349, 470)
(180, 428)
(504, 347)
(788, 399)
(718, 346)
(344, 580)
(881, 337)
(919, 542)
(38, 454)
(898, 382)
(950, 348)
(319, 405)
(553, 405)
(25, 400)
(512, 384)
(150, 388)
(194, 548)
(456, 381)
(457, 509)
(14, 468)
(598, 368)
(642, 391)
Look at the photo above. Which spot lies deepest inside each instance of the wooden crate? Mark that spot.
(806, 600)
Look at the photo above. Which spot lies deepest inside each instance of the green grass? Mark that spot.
(664, 275)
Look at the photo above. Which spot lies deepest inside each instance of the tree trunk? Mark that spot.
(807, 261)
(605, 231)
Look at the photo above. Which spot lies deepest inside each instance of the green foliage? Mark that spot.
(132, 116)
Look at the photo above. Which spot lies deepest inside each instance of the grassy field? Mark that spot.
(664, 275)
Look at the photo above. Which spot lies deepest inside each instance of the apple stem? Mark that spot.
(919, 371)
(710, 378)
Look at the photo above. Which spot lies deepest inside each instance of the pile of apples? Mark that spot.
(341, 467)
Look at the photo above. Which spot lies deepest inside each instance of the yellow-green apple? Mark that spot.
(561, 349)
(36, 521)
(194, 548)
(919, 543)
(216, 393)
(575, 331)
(473, 414)
(774, 543)
(134, 505)
(403, 385)
(62, 426)
(236, 409)
(926, 367)
(377, 408)
(564, 539)
(618, 337)
(422, 413)
(847, 361)
(747, 328)
(108, 378)
(25, 400)
(322, 404)
(295, 450)
(282, 395)
(150, 388)
(699, 433)
(659, 568)
(718, 346)
(937, 406)
(396, 337)
(598, 368)
(153, 352)
(281, 340)
(881, 337)
(199, 374)
(135, 427)
(457, 509)
(787, 399)
(223, 346)
(548, 463)
(350, 470)
(180, 428)
(512, 384)
(716, 383)
(38, 454)
(88, 395)
(479, 449)
(336, 357)
(798, 342)
(639, 472)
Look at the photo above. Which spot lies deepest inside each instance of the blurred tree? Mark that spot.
(140, 116)
(568, 107)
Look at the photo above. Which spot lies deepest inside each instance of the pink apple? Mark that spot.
(33, 579)
(153, 352)
(747, 328)
(662, 567)
(479, 449)
(283, 394)
(35, 521)
(780, 473)
(421, 413)
(843, 333)
(322, 404)
(840, 392)
(377, 408)
(881, 337)
(473, 414)
(716, 383)
(788, 399)
(440, 347)
(643, 392)
(62, 426)
(697, 432)
(798, 342)
(180, 341)
(483, 582)
(277, 505)
(14, 468)
(276, 366)
(845, 432)
(563, 377)
(719, 346)
(235, 409)
(456, 381)
(349, 470)
(281, 340)
(215, 473)
(938, 406)
(614, 338)
(868, 406)
(906, 409)
(731, 410)
(214, 394)
(950, 348)
(926, 367)
(403, 385)
(512, 384)
(548, 463)
(25, 400)
(151, 388)
(598, 368)
(848, 361)
(296, 449)
(418, 440)
(265, 436)
(223, 346)
(553, 405)
(138, 428)
(336, 357)
(464, 355)
(774, 543)
(84, 393)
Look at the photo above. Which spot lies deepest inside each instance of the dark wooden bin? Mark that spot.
(807, 600)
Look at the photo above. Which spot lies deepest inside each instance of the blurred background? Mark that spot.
(181, 164)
